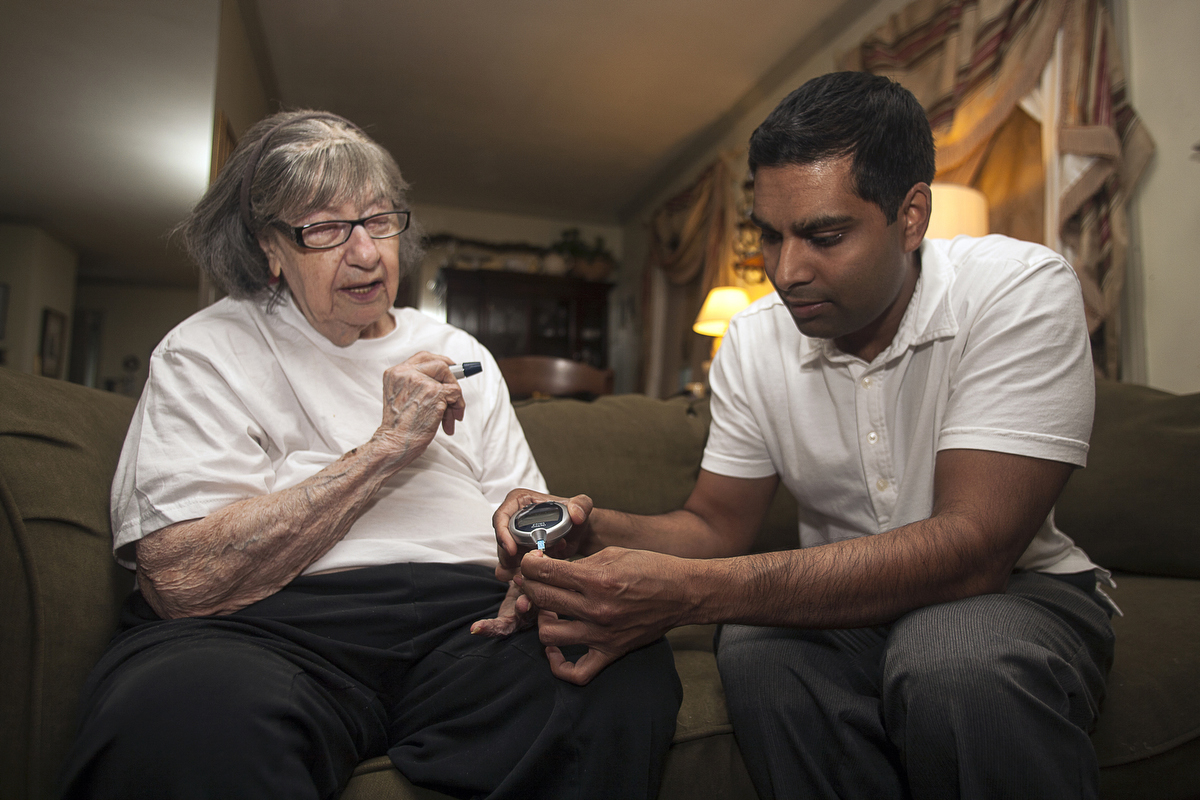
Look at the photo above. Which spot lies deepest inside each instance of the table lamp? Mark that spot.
(719, 307)
(957, 209)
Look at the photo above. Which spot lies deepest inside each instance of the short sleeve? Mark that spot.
(736, 444)
(508, 463)
(1024, 383)
(192, 448)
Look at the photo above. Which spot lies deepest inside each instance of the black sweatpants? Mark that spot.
(285, 697)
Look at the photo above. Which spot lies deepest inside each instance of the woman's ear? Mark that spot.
(914, 213)
(270, 247)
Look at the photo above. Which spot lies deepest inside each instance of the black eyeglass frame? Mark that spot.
(298, 232)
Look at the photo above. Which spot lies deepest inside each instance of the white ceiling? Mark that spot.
(107, 108)
(570, 109)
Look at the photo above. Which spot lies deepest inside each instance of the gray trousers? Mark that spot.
(991, 696)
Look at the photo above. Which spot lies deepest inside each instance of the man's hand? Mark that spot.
(418, 395)
(507, 548)
(617, 600)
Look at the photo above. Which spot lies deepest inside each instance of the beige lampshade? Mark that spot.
(719, 307)
(957, 210)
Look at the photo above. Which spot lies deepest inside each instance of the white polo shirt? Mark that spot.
(992, 354)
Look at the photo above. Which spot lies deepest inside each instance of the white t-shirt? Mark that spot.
(241, 402)
(992, 354)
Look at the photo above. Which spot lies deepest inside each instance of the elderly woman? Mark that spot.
(306, 494)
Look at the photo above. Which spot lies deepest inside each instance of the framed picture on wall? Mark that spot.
(54, 336)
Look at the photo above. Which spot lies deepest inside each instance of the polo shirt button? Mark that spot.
(872, 437)
(882, 484)
(866, 382)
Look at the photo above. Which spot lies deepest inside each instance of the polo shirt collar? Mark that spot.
(928, 317)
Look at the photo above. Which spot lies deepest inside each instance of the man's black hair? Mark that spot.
(869, 117)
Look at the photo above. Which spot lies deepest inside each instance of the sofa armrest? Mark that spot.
(61, 589)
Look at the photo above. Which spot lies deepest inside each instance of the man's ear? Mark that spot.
(270, 247)
(914, 213)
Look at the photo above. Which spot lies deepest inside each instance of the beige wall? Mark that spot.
(40, 273)
(1164, 81)
(135, 320)
(136, 317)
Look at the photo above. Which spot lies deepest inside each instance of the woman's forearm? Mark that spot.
(251, 549)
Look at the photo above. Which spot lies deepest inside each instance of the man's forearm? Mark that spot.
(721, 518)
(987, 507)
(251, 549)
(854, 583)
(678, 533)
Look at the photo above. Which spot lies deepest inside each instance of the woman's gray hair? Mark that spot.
(292, 163)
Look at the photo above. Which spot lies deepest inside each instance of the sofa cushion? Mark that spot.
(634, 453)
(1153, 702)
(1135, 506)
(627, 452)
(59, 586)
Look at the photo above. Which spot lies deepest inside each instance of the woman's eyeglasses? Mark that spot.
(331, 233)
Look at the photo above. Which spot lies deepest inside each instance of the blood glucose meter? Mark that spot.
(540, 523)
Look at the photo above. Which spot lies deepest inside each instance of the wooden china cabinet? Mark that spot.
(519, 314)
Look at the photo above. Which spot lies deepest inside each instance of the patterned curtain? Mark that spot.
(970, 63)
(1105, 150)
(691, 245)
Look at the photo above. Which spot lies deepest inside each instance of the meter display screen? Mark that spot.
(543, 512)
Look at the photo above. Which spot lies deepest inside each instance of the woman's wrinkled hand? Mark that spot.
(516, 613)
(419, 395)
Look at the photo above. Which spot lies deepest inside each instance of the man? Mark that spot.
(925, 402)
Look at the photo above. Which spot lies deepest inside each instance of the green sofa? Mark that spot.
(1134, 509)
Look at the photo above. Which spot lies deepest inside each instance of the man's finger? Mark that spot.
(555, 572)
(555, 631)
(546, 596)
(580, 508)
(508, 543)
(556, 659)
(559, 549)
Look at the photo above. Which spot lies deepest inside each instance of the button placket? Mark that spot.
(876, 452)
